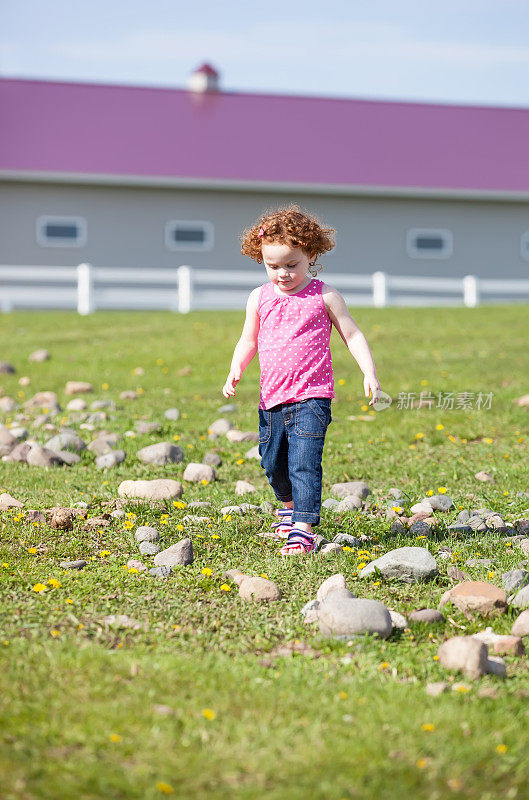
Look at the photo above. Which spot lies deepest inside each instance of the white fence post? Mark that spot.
(470, 291)
(85, 289)
(185, 289)
(380, 289)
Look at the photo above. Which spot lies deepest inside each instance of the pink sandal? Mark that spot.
(284, 526)
(299, 542)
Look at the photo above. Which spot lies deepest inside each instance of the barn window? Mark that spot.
(188, 235)
(61, 231)
(429, 243)
(524, 245)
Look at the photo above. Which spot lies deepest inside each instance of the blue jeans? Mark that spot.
(291, 439)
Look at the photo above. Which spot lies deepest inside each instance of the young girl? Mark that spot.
(289, 321)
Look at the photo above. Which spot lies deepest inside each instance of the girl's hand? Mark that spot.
(372, 386)
(231, 382)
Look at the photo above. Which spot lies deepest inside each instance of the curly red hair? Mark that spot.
(287, 225)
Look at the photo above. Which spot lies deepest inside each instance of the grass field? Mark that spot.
(199, 703)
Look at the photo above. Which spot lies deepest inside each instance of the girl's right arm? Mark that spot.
(246, 347)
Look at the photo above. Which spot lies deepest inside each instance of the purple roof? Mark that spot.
(102, 129)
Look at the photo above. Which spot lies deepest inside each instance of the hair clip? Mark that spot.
(261, 232)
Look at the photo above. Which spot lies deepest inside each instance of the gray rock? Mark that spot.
(255, 589)
(426, 615)
(478, 562)
(357, 488)
(253, 452)
(330, 548)
(477, 524)
(143, 427)
(212, 459)
(160, 454)
(267, 507)
(160, 572)
(158, 489)
(18, 453)
(42, 457)
(39, 355)
(220, 427)
(420, 528)
(6, 368)
(19, 433)
(341, 614)
(179, 553)
(349, 503)
(321, 541)
(101, 445)
(521, 599)
(398, 620)
(347, 540)
(496, 666)
(229, 408)
(329, 585)
(441, 502)
(146, 534)
(77, 404)
(199, 504)
(133, 563)
(459, 529)
(244, 487)
(66, 441)
(310, 611)
(172, 414)
(149, 548)
(465, 654)
(232, 510)
(330, 502)
(246, 507)
(79, 564)
(111, 459)
(521, 625)
(397, 527)
(409, 564)
(68, 457)
(199, 472)
(397, 494)
(463, 516)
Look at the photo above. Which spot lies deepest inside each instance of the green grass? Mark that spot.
(342, 720)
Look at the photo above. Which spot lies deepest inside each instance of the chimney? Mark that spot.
(204, 79)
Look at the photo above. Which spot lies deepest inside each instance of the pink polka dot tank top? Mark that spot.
(293, 345)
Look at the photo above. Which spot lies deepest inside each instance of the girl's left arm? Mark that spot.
(354, 339)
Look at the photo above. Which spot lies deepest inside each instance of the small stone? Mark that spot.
(524, 546)
(179, 553)
(162, 571)
(93, 523)
(61, 518)
(341, 614)
(436, 688)
(521, 599)
(231, 510)
(521, 525)
(509, 645)
(146, 534)
(172, 414)
(244, 487)
(418, 517)
(133, 563)
(220, 427)
(121, 621)
(496, 666)
(7, 501)
(101, 445)
(110, 459)
(330, 548)
(463, 516)
(253, 452)
(329, 585)
(8, 404)
(144, 427)
(77, 404)
(477, 524)
(429, 615)
(78, 387)
(409, 564)
(398, 620)
(424, 505)
(521, 624)
(310, 612)
(149, 548)
(213, 459)
(34, 515)
(79, 564)
(465, 654)
(515, 579)
(129, 394)
(347, 540)
(68, 457)
(397, 527)
(484, 476)
(490, 692)
(6, 368)
(160, 454)
(441, 502)
(242, 436)
(159, 489)
(199, 472)
(256, 589)
(458, 529)
(39, 355)
(357, 488)
(349, 503)
(330, 502)
(229, 408)
(478, 596)
(42, 457)
(199, 504)
(420, 528)
(478, 562)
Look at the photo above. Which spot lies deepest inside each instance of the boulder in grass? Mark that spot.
(42, 457)
(256, 589)
(484, 477)
(146, 534)
(6, 368)
(44, 399)
(78, 387)
(244, 487)
(464, 654)
(329, 585)
(220, 427)
(341, 615)
(7, 501)
(199, 472)
(253, 452)
(8, 404)
(78, 564)
(77, 404)
(68, 440)
(40, 355)
(441, 502)
(242, 436)
(476, 597)
(179, 553)
(409, 564)
(213, 459)
(101, 445)
(110, 459)
(160, 454)
(357, 488)
(7, 440)
(351, 502)
(521, 624)
(521, 599)
(68, 457)
(159, 489)
(172, 414)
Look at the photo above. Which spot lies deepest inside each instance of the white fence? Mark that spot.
(87, 289)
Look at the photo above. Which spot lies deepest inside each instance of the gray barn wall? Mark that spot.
(126, 228)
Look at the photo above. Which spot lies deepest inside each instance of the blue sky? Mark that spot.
(454, 51)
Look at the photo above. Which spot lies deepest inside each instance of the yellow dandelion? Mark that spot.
(361, 565)
(422, 763)
(176, 437)
(441, 490)
(263, 575)
(439, 427)
(491, 574)
(225, 588)
(54, 633)
(364, 408)
(189, 446)
(104, 386)
(139, 390)
(428, 726)
(207, 571)
(419, 435)
(411, 447)
(342, 695)
(163, 521)
(424, 382)
(226, 517)
(5, 565)
(501, 748)
(215, 536)
(505, 493)
(69, 600)
(32, 550)
(209, 714)
(179, 504)
(80, 626)
(179, 527)
(341, 382)
(462, 688)
(164, 788)
(54, 582)
(383, 665)
(429, 493)
(204, 482)
(397, 509)
(436, 658)
(488, 441)
(133, 570)
(104, 553)
(240, 461)
(508, 544)
(376, 583)
(115, 737)
(451, 438)
(160, 362)
(347, 549)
